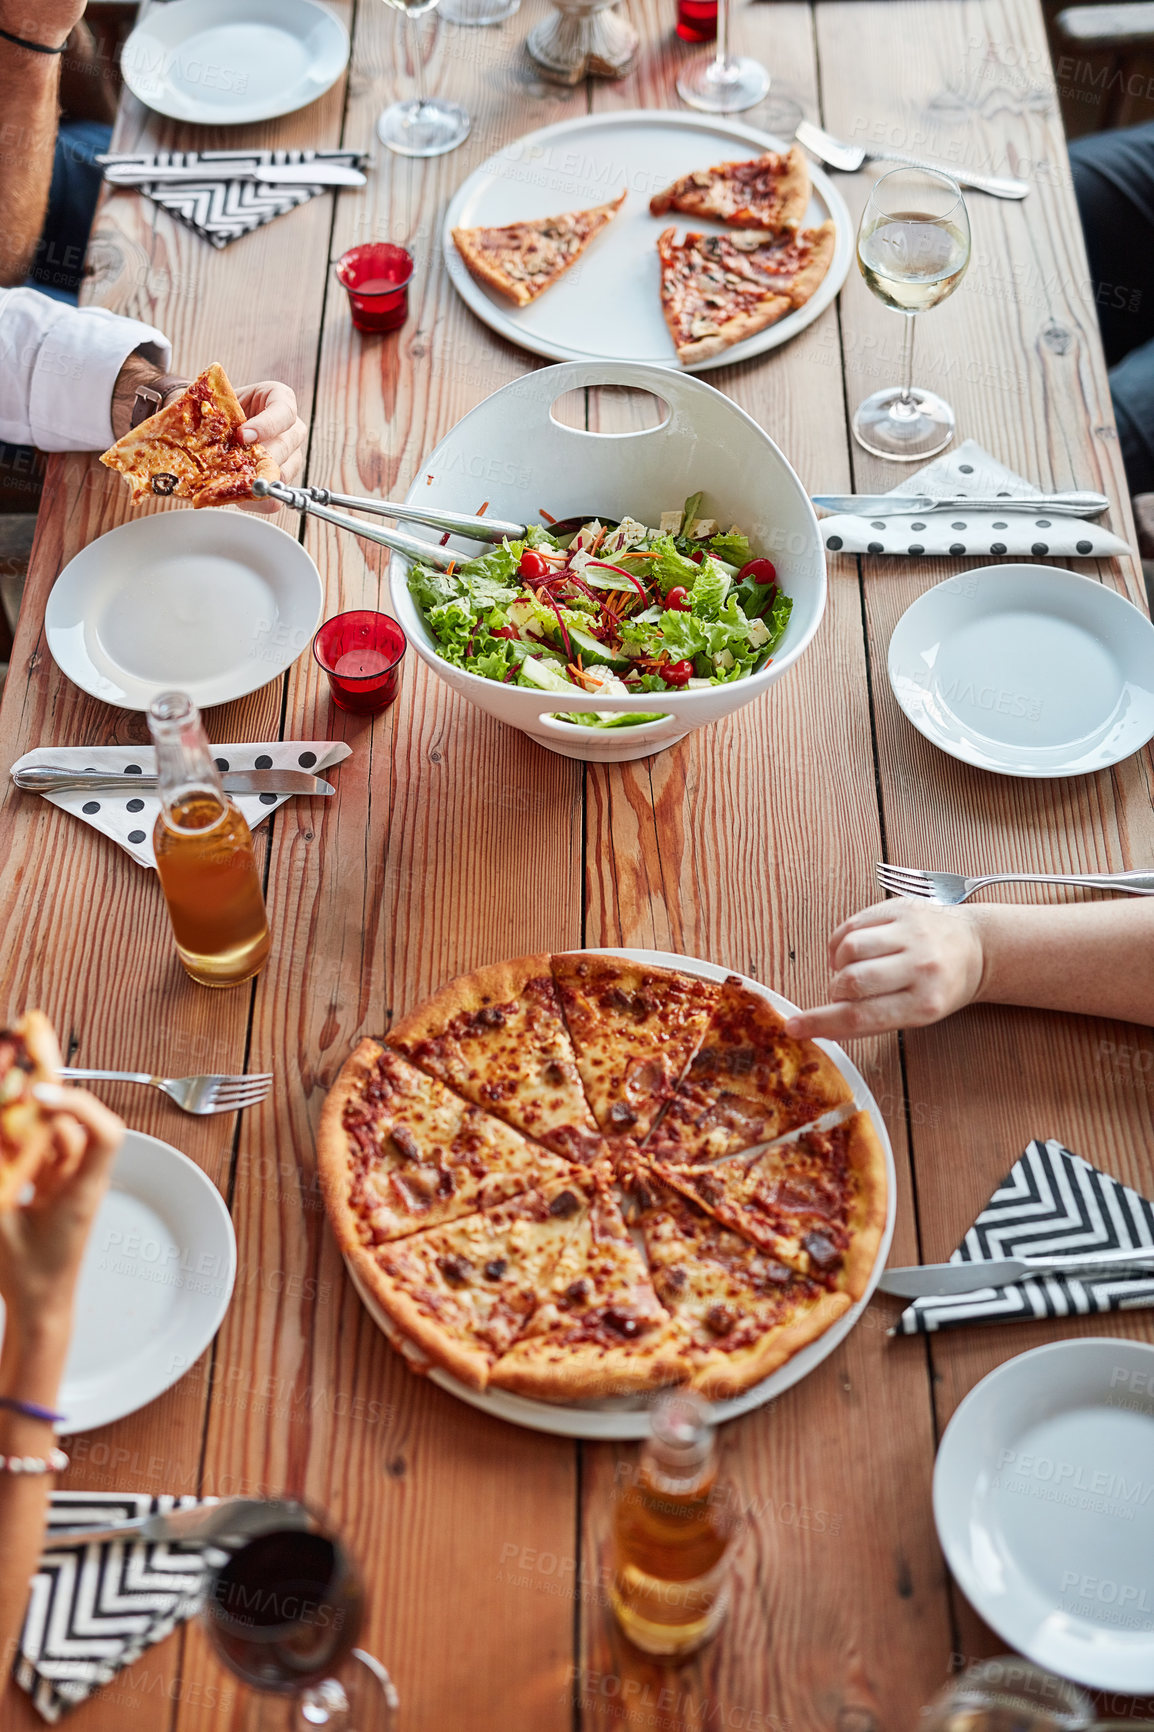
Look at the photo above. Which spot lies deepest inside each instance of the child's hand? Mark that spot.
(898, 964)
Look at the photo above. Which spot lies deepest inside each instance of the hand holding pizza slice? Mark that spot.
(194, 448)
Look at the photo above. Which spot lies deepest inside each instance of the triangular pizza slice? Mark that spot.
(716, 290)
(748, 1083)
(770, 192)
(522, 260)
(28, 1055)
(192, 449)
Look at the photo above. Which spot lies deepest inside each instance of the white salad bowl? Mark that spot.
(512, 452)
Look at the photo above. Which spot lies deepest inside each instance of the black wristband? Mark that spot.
(32, 47)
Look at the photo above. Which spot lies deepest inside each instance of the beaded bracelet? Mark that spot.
(54, 1462)
(30, 1409)
(32, 47)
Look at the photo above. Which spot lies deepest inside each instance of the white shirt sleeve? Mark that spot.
(58, 365)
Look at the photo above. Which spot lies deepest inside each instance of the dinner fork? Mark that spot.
(848, 157)
(947, 889)
(192, 1094)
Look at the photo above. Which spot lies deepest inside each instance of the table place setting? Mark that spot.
(123, 801)
(224, 194)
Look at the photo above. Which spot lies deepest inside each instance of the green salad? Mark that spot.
(618, 611)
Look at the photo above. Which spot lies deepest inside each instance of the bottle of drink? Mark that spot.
(204, 854)
(672, 1534)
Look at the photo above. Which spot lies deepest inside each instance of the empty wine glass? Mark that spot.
(421, 125)
(913, 247)
(284, 1605)
(727, 83)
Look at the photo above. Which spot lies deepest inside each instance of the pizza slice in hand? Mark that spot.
(771, 192)
(716, 290)
(749, 1082)
(740, 1313)
(498, 1037)
(817, 1204)
(192, 449)
(28, 1055)
(398, 1151)
(634, 1030)
(600, 1330)
(522, 260)
(463, 1291)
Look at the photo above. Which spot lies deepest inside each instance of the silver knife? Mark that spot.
(906, 505)
(284, 174)
(939, 1280)
(48, 779)
(223, 1519)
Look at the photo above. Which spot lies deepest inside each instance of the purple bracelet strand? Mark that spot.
(30, 1410)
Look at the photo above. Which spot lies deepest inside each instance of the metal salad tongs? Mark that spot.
(318, 502)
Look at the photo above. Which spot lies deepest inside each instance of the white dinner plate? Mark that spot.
(1044, 1504)
(228, 62)
(1028, 670)
(215, 603)
(628, 1417)
(154, 1287)
(608, 306)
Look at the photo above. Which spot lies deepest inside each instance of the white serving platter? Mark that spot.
(214, 603)
(155, 1284)
(230, 62)
(608, 305)
(628, 1418)
(1044, 1504)
(1027, 670)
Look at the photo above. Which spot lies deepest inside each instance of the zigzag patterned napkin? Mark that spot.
(94, 1609)
(1052, 1203)
(223, 210)
(129, 818)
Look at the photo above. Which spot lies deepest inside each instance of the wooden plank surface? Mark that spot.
(453, 842)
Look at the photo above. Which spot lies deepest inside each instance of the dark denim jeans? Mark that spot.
(76, 181)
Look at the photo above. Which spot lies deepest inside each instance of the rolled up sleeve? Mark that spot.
(58, 365)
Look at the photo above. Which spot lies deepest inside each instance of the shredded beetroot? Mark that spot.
(510, 673)
(548, 595)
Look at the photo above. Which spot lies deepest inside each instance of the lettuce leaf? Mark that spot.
(732, 547)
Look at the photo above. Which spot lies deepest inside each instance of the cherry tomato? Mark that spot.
(533, 564)
(760, 570)
(698, 556)
(678, 599)
(677, 673)
(503, 631)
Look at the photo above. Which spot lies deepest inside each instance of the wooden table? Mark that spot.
(453, 842)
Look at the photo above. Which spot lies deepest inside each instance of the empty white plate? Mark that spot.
(227, 62)
(214, 603)
(1044, 1504)
(154, 1287)
(1028, 670)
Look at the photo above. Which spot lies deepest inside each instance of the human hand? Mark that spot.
(42, 1243)
(271, 409)
(49, 22)
(897, 964)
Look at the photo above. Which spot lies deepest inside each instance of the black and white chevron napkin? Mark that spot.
(94, 1609)
(223, 210)
(1052, 1203)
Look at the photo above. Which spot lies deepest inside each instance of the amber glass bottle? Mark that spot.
(672, 1535)
(204, 854)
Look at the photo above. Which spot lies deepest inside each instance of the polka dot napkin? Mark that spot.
(971, 473)
(129, 818)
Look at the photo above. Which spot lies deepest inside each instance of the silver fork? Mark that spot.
(192, 1094)
(848, 157)
(947, 889)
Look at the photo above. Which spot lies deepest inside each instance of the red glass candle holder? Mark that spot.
(697, 20)
(376, 277)
(361, 653)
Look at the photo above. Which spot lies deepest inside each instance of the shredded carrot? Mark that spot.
(428, 480)
(450, 568)
(547, 515)
(598, 539)
(481, 509)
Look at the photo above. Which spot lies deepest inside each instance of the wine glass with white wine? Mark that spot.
(913, 247)
(421, 125)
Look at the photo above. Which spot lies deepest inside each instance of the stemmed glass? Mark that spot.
(284, 1604)
(1009, 1694)
(913, 247)
(421, 125)
(727, 83)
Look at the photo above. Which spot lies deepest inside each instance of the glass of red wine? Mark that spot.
(284, 1606)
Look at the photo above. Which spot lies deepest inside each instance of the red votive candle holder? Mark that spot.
(697, 20)
(376, 278)
(361, 653)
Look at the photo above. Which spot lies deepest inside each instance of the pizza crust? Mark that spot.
(867, 1160)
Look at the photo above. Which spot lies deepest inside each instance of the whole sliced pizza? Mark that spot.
(582, 1176)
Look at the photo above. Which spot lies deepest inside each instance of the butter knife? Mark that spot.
(282, 174)
(939, 1280)
(220, 1520)
(905, 505)
(48, 779)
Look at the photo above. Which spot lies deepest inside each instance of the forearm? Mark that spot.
(29, 113)
(30, 1370)
(1094, 957)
